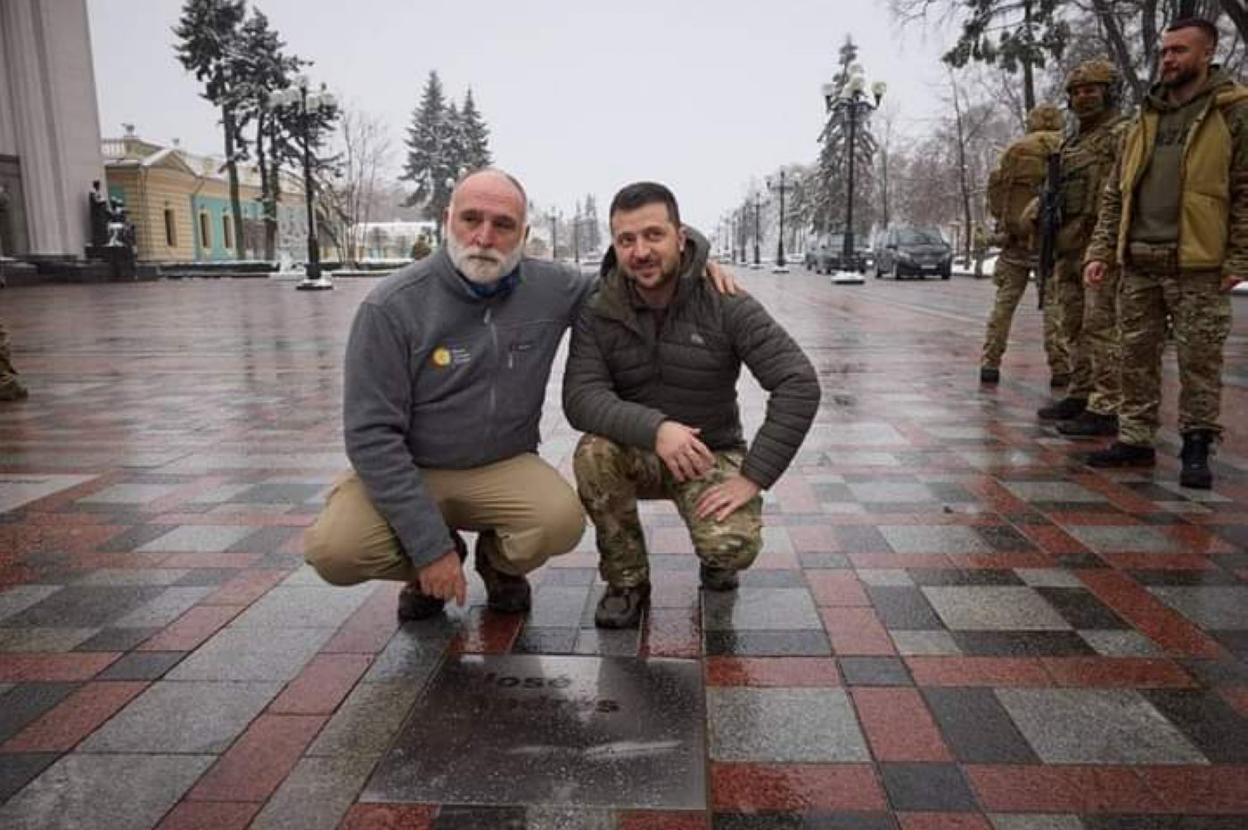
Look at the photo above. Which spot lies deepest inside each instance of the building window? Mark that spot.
(205, 230)
(171, 229)
(227, 232)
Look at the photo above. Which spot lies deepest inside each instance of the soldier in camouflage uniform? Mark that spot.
(1011, 186)
(1089, 315)
(652, 379)
(1174, 217)
(11, 389)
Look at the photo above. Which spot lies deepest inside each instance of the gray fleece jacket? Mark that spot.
(438, 377)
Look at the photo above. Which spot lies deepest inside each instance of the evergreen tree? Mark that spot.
(593, 234)
(1028, 31)
(431, 165)
(828, 194)
(476, 134)
(209, 45)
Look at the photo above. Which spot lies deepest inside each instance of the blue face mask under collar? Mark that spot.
(499, 288)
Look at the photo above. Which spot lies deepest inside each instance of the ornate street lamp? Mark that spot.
(780, 187)
(758, 209)
(851, 102)
(306, 105)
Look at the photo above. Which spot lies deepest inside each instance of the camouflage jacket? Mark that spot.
(1086, 162)
(1213, 216)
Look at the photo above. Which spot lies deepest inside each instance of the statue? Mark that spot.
(112, 234)
(100, 211)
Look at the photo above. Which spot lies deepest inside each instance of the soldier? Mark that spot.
(1089, 318)
(1010, 187)
(1174, 217)
(11, 389)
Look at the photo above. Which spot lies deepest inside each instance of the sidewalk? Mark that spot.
(953, 624)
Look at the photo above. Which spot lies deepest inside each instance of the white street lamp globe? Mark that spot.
(328, 100)
(301, 81)
(878, 89)
(856, 83)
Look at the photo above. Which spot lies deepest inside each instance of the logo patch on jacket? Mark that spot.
(696, 339)
(444, 356)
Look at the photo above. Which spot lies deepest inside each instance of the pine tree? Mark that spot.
(431, 166)
(1029, 29)
(476, 134)
(208, 34)
(830, 191)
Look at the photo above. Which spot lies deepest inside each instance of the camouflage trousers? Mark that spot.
(610, 478)
(1201, 315)
(1089, 318)
(8, 375)
(1011, 277)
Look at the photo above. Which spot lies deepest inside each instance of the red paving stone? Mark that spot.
(200, 405)
(795, 787)
(74, 718)
(322, 685)
(258, 761)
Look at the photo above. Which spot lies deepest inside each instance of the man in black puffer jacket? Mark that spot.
(651, 379)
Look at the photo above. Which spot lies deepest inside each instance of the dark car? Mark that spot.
(830, 255)
(906, 251)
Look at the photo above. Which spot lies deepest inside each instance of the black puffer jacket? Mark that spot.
(626, 374)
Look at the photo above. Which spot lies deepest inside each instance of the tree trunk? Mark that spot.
(1029, 83)
(1238, 13)
(1122, 54)
(1148, 34)
(266, 194)
(236, 208)
(963, 184)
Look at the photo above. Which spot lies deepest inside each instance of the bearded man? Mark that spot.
(652, 379)
(444, 382)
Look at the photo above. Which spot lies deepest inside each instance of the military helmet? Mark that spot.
(1097, 71)
(1044, 116)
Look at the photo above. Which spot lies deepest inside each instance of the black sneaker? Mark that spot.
(622, 607)
(1089, 423)
(989, 375)
(1119, 454)
(415, 604)
(718, 579)
(1195, 455)
(1063, 410)
(1059, 381)
(505, 593)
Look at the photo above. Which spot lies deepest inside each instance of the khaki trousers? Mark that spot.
(532, 511)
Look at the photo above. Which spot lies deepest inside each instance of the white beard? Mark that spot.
(483, 266)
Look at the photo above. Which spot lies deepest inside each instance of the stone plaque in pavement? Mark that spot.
(536, 729)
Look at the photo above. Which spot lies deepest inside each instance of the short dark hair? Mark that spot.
(1208, 29)
(640, 194)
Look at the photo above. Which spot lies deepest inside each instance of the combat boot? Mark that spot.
(505, 593)
(1195, 456)
(1119, 454)
(1063, 410)
(415, 604)
(13, 391)
(1059, 381)
(987, 374)
(622, 607)
(1089, 423)
(717, 579)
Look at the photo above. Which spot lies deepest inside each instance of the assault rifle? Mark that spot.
(1050, 220)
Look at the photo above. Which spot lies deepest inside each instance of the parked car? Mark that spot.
(829, 255)
(905, 251)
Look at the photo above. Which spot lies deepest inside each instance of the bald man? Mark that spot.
(445, 376)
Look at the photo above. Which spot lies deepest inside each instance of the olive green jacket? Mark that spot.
(1213, 208)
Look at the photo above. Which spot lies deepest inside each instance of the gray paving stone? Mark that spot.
(315, 795)
(1066, 491)
(183, 718)
(777, 540)
(783, 725)
(133, 576)
(368, 720)
(19, 768)
(129, 494)
(198, 539)
(26, 701)
(1119, 643)
(1216, 608)
(993, 608)
(891, 492)
(558, 606)
(18, 599)
(1049, 578)
(1125, 538)
(17, 489)
(119, 792)
(934, 539)
(885, 577)
(301, 607)
(43, 638)
(924, 642)
(142, 665)
(238, 653)
(1035, 821)
(413, 652)
(760, 609)
(82, 606)
(164, 608)
(1096, 726)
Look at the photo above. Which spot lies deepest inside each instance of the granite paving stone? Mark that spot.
(164, 608)
(1096, 726)
(300, 607)
(367, 720)
(1115, 538)
(993, 608)
(934, 539)
(237, 653)
(119, 792)
(783, 725)
(1209, 607)
(315, 795)
(43, 638)
(197, 539)
(26, 701)
(17, 769)
(84, 606)
(760, 609)
(1119, 643)
(183, 717)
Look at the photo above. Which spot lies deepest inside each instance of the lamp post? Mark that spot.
(758, 209)
(851, 102)
(306, 105)
(780, 187)
(554, 236)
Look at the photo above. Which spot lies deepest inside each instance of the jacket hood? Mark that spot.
(1218, 79)
(616, 292)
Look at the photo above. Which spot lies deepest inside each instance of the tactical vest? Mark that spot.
(1087, 159)
(1017, 179)
(1204, 207)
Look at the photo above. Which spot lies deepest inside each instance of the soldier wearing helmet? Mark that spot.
(1089, 318)
(1014, 182)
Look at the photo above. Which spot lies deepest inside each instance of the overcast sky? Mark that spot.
(580, 97)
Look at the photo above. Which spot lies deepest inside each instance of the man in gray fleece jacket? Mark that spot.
(445, 377)
(652, 378)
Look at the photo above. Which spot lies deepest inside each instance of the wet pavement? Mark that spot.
(953, 625)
